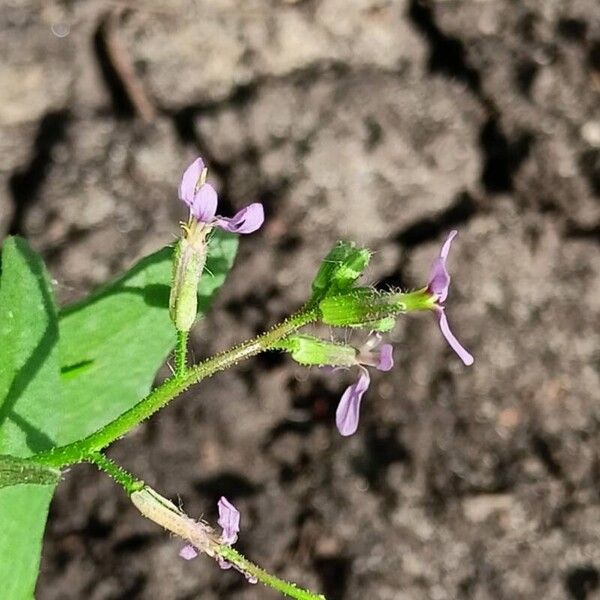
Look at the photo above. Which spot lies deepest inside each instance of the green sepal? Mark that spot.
(188, 263)
(308, 350)
(339, 270)
(14, 470)
(365, 307)
(359, 308)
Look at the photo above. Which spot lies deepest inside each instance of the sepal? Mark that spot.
(312, 351)
(188, 263)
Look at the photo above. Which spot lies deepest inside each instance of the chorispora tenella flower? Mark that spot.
(191, 250)
(438, 286)
(372, 354)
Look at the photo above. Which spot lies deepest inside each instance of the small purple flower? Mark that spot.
(229, 520)
(372, 354)
(439, 283)
(202, 200)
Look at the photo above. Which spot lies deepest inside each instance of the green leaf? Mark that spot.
(23, 513)
(339, 270)
(111, 346)
(29, 376)
(14, 470)
(30, 407)
(113, 343)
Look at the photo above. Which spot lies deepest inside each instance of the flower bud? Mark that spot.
(339, 270)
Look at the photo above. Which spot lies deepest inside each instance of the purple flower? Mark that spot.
(439, 283)
(372, 354)
(229, 520)
(202, 200)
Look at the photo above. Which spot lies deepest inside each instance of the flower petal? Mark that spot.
(439, 279)
(189, 181)
(464, 355)
(204, 205)
(223, 563)
(446, 247)
(188, 552)
(386, 358)
(348, 410)
(229, 520)
(249, 219)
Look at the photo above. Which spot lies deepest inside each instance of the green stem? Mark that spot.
(126, 480)
(81, 450)
(181, 353)
(243, 564)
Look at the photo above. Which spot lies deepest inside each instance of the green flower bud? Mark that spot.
(339, 270)
(311, 351)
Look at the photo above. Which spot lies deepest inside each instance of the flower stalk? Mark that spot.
(181, 353)
(203, 537)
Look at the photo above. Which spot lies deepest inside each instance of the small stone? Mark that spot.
(479, 508)
(590, 132)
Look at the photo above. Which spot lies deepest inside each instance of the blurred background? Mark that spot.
(384, 122)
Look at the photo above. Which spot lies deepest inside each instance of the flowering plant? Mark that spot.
(70, 378)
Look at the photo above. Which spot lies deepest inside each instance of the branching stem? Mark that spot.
(175, 516)
(81, 450)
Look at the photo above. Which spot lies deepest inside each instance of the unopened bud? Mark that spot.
(339, 270)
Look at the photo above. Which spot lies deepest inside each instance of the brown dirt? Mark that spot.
(387, 122)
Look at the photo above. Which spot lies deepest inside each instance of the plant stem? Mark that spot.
(163, 512)
(243, 564)
(81, 450)
(126, 480)
(181, 353)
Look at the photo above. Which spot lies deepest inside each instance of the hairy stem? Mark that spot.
(290, 590)
(126, 480)
(181, 353)
(155, 507)
(81, 450)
